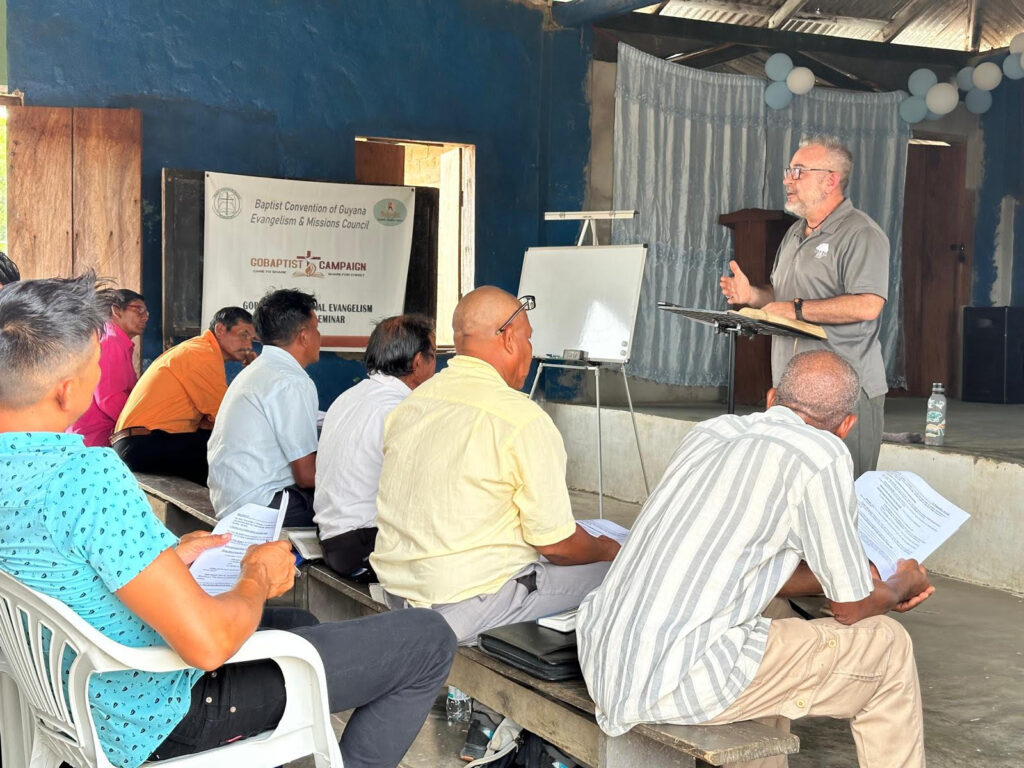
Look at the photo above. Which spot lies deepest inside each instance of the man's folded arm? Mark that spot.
(580, 548)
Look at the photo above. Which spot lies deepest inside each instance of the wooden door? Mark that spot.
(39, 190)
(380, 162)
(937, 240)
(74, 192)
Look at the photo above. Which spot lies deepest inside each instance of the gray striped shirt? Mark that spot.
(675, 632)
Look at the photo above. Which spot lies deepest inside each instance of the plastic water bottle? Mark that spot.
(459, 706)
(935, 426)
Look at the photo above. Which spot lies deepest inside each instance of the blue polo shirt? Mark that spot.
(74, 525)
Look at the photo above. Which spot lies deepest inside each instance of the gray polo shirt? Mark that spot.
(849, 254)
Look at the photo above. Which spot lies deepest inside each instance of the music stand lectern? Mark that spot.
(745, 322)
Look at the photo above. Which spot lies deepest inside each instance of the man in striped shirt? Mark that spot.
(750, 508)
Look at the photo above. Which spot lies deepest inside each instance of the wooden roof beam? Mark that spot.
(905, 17)
(788, 10)
(973, 36)
(705, 58)
(832, 74)
(663, 36)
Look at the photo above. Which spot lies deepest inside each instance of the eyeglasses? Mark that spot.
(525, 303)
(143, 311)
(795, 172)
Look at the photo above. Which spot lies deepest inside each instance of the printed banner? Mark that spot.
(348, 244)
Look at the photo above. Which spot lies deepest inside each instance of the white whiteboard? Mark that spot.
(587, 297)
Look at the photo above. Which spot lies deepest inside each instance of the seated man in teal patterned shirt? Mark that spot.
(77, 527)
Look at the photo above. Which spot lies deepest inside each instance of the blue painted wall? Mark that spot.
(1003, 175)
(281, 88)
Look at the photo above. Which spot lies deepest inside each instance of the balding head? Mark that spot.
(480, 313)
(821, 387)
(476, 321)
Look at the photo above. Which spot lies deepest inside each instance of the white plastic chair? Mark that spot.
(62, 733)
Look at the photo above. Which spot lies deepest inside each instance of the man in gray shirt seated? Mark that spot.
(832, 269)
(752, 507)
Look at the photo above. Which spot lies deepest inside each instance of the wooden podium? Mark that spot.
(756, 234)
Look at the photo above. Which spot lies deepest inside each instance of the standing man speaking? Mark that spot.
(832, 269)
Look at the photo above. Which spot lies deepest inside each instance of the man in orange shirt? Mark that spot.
(166, 422)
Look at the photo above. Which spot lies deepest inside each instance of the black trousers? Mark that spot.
(349, 552)
(179, 454)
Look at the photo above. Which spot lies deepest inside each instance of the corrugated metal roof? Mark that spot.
(941, 24)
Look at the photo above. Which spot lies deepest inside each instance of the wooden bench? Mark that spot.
(562, 713)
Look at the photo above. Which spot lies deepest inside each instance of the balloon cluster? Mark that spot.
(931, 99)
(787, 80)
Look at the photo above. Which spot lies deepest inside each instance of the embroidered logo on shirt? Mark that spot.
(821, 251)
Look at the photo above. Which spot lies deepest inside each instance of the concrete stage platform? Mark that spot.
(981, 469)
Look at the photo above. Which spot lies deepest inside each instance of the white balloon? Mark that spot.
(800, 80)
(942, 98)
(987, 76)
(1017, 43)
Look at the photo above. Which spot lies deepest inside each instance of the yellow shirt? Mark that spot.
(184, 384)
(473, 479)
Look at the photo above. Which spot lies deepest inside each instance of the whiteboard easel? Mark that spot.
(578, 359)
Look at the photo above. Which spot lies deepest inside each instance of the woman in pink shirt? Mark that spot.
(128, 316)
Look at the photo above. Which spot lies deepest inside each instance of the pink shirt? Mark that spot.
(117, 377)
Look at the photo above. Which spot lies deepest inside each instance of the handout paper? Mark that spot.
(901, 517)
(598, 527)
(217, 570)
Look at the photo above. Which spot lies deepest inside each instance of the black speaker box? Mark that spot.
(993, 355)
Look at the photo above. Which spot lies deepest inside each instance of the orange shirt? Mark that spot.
(184, 384)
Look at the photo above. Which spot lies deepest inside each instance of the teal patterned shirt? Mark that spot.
(75, 525)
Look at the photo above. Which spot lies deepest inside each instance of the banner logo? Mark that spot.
(227, 203)
(309, 266)
(389, 212)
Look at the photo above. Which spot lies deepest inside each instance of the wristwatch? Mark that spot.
(798, 304)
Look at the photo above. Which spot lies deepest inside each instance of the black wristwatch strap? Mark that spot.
(798, 304)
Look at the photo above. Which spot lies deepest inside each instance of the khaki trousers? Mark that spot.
(864, 672)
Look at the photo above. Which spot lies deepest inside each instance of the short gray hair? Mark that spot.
(840, 159)
(821, 385)
(47, 329)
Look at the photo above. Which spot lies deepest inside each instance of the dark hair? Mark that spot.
(281, 314)
(229, 317)
(395, 342)
(8, 270)
(118, 297)
(46, 327)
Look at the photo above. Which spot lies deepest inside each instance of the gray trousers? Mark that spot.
(865, 439)
(537, 590)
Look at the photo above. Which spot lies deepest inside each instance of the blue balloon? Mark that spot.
(921, 80)
(932, 115)
(778, 96)
(913, 109)
(964, 79)
(1012, 68)
(778, 66)
(978, 101)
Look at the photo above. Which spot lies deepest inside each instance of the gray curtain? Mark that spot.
(691, 145)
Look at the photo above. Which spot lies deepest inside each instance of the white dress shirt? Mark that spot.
(266, 421)
(350, 455)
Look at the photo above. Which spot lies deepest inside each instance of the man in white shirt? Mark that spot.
(399, 357)
(264, 440)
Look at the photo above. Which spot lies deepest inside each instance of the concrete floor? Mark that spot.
(970, 657)
(984, 429)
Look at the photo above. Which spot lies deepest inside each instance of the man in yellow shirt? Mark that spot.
(165, 425)
(472, 488)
